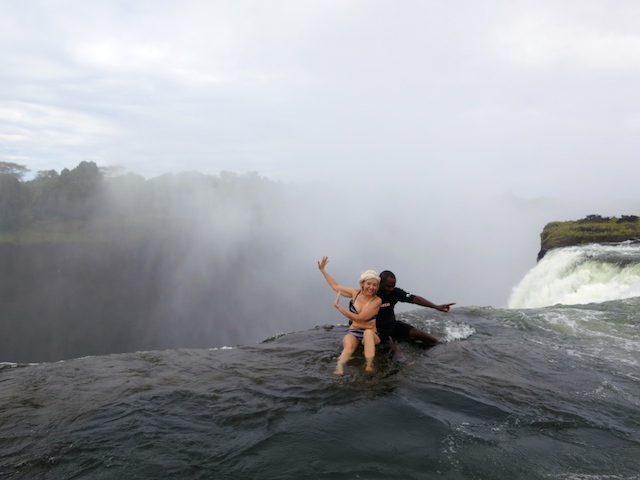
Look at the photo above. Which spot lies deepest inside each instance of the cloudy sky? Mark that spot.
(437, 102)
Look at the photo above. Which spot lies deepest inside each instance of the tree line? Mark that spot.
(89, 192)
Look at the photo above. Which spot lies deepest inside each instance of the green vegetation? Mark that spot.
(591, 229)
(89, 203)
(69, 197)
(50, 232)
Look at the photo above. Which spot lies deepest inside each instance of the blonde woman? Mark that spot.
(363, 307)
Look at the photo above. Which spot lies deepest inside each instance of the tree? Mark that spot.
(80, 190)
(44, 190)
(47, 175)
(12, 202)
(13, 169)
(70, 195)
(594, 219)
(628, 219)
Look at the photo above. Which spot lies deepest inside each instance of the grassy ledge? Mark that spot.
(591, 229)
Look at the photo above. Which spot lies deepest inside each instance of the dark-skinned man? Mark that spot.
(389, 326)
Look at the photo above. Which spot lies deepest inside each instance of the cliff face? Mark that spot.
(74, 299)
(591, 229)
(143, 290)
(66, 300)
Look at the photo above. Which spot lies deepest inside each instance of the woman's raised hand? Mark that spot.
(322, 263)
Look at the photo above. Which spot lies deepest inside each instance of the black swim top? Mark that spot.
(352, 308)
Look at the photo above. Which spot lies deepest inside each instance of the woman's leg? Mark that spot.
(370, 340)
(349, 344)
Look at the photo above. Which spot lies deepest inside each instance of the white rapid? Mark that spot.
(580, 275)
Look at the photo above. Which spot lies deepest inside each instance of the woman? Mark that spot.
(363, 308)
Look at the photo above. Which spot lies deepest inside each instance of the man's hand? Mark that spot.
(444, 307)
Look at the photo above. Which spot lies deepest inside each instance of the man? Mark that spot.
(392, 329)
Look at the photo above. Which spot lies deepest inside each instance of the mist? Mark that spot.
(205, 261)
(252, 249)
(432, 139)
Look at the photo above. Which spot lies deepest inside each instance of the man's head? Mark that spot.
(387, 281)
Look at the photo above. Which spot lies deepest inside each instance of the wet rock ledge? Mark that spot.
(591, 229)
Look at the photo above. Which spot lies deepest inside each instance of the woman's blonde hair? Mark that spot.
(368, 275)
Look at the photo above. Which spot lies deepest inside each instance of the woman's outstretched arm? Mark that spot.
(344, 291)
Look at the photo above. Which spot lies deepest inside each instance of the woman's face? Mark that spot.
(370, 287)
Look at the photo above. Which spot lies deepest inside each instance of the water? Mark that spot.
(581, 274)
(551, 392)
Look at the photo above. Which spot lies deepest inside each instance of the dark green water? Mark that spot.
(550, 393)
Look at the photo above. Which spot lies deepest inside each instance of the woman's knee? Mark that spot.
(368, 336)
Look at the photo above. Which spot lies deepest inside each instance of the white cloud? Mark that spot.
(43, 118)
(294, 89)
(588, 34)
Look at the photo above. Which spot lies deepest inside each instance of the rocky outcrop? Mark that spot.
(591, 229)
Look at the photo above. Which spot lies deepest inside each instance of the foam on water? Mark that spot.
(580, 275)
(445, 329)
(604, 332)
(458, 331)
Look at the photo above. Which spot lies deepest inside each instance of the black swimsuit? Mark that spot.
(352, 307)
(357, 332)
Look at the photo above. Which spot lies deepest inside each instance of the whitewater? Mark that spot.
(582, 274)
(545, 389)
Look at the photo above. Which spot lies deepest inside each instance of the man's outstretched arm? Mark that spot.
(426, 303)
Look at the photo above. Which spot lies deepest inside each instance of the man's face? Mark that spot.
(387, 285)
